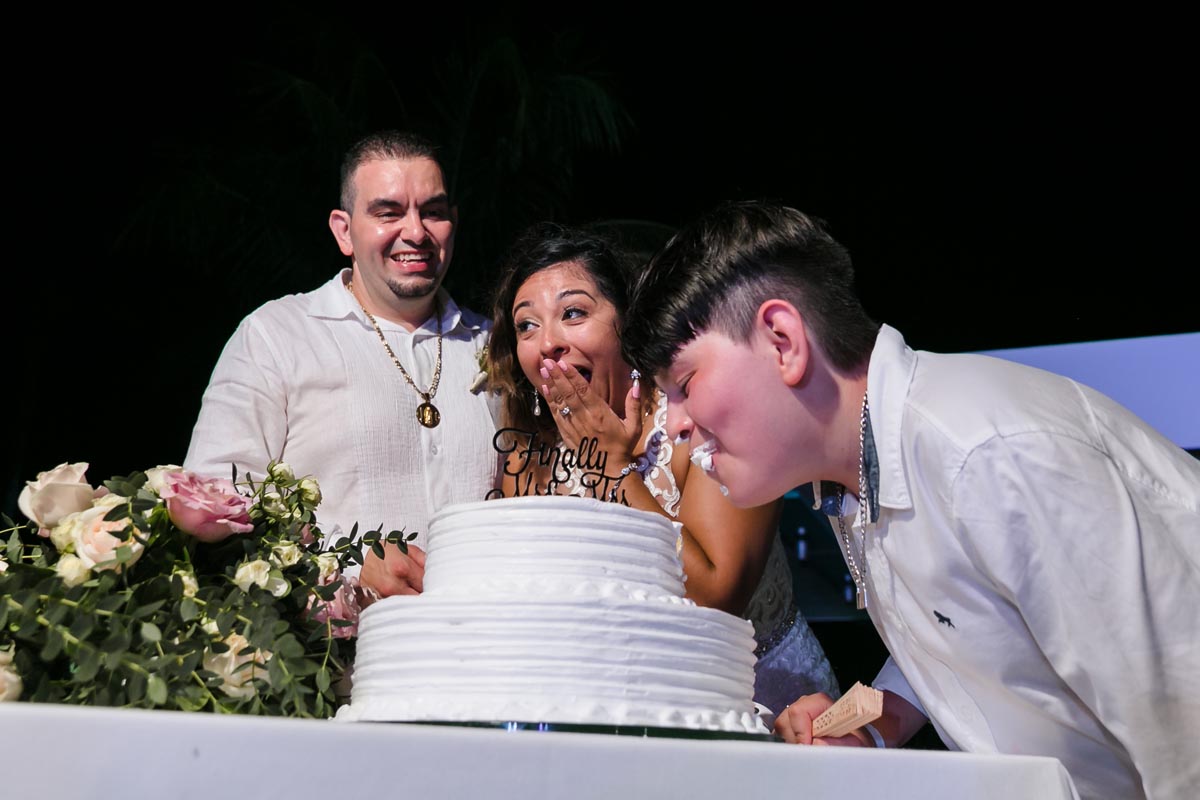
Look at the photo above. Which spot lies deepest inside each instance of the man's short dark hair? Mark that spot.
(388, 144)
(716, 273)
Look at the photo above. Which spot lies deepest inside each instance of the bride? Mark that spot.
(555, 356)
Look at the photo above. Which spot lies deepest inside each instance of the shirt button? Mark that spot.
(434, 449)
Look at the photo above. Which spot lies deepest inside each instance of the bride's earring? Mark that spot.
(537, 404)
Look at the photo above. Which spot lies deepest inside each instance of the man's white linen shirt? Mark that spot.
(1035, 570)
(304, 379)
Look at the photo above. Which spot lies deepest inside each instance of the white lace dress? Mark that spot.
(791, 662)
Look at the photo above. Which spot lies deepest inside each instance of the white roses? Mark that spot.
(55, 494)
(259, 573)
(235, 678)
(10, 680)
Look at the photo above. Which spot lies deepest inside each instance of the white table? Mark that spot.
(65, 751)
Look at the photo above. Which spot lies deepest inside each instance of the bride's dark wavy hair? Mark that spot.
(540, 247)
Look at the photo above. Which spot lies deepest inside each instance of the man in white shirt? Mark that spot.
(369, 383)
(1028, 550)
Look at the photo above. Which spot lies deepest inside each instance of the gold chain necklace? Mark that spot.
(427, 413)
(859, 575)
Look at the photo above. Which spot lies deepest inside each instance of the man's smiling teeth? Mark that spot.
(409, 257)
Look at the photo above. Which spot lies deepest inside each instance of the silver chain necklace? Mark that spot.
(857, 573)
(427, 413)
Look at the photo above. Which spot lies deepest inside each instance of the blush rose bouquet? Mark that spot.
(165, 589)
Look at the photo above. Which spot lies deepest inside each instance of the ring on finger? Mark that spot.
(565, 411)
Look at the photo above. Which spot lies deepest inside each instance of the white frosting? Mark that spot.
(702, 455)
(504, 546)
(557, 610)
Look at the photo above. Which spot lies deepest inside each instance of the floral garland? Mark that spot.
(163, 589)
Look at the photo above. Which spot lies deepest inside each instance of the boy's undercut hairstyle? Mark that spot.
(716, 273)
(384, 145)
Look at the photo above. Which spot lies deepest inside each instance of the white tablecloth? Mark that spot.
(64, 751)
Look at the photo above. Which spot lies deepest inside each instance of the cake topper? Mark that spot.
(539, 467)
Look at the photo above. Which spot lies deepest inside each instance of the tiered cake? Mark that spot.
(554, 610)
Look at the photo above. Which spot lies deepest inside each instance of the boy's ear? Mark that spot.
(782, 327)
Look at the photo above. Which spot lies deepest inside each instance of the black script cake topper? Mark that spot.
(538, 467)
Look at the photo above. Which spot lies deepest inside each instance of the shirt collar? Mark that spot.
(332, 301)
(825, 493)
(888, 378)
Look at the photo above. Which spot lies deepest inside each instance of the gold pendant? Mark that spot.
(428, 415)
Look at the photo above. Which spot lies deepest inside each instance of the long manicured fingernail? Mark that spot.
(545, 374)
(562, 365)
(637, 391)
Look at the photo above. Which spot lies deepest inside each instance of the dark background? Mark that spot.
(1002, 180)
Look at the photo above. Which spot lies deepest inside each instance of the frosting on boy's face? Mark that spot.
(702, 457)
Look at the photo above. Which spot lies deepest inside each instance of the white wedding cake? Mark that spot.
(554, 610)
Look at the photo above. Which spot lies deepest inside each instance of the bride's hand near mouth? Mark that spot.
(591, 416)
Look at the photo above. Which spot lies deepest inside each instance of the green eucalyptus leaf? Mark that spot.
(288, 646)
(83, 625)
(142, 504)
(190, 698)
(111, 602)
(53, 645)
(149, 609)
(156, 690)
(55, 613)
(326, 592)
(276, 674)
(188, 609)
(135, 686)
(151, 632)
(118, 640)
(117, 513)
(87, 664)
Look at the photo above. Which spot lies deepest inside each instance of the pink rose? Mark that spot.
(55, 494)
(346, 605)
(208, 508)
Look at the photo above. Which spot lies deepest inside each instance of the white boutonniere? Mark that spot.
(481, 377)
